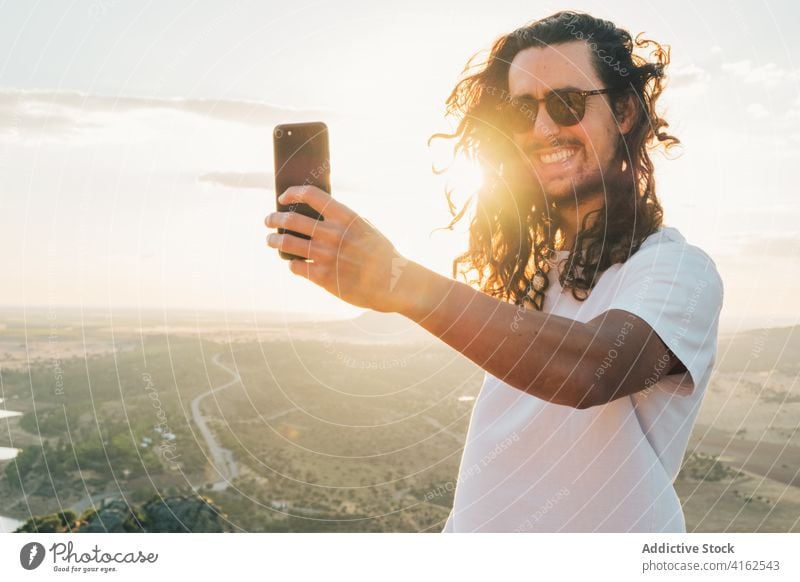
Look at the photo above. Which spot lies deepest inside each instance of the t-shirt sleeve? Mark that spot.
(448, 525)
(677, 290)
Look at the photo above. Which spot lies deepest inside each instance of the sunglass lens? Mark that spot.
(566, 108)
(519, 115)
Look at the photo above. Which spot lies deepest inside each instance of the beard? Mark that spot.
(577, 191)
(586, 182)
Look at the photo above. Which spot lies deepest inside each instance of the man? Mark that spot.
(595, 324)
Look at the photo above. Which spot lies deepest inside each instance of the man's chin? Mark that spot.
(568, 189)
(559, 190)
(566, 193)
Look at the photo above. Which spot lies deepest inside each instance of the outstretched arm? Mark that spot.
(553, 358)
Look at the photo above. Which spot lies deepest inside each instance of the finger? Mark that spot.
(294, 245)
(314, 272)
(319, 200)
(303, 224)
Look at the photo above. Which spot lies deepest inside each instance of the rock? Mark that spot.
(185, 513)
(177, 513)
(114, 516)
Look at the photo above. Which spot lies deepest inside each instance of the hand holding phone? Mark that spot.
(349, 256)
(302, 157)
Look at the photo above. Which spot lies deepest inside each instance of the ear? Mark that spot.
(625, 111)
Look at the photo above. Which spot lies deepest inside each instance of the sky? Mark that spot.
(136, 157)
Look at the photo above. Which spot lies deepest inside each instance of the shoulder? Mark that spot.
(667, 252)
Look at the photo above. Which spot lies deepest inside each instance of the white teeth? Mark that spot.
(558, 156)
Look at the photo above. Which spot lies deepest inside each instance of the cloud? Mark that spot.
(768, 74)
(687, 75)
(247, 180)
(56, 113)
(264, 181)
(23, 117)
(757, 110)
(793, 113)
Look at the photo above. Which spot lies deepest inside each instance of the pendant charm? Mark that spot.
(534, 300)
(539, 282)
(535, 295)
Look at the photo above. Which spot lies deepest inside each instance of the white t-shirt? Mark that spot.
(535, 466)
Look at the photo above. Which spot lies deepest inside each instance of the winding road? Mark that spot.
(221, 458)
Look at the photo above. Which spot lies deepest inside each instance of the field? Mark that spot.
(327, 426)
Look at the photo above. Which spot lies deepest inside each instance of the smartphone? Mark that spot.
(302, 157)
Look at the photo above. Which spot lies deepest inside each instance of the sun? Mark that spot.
(465, 176)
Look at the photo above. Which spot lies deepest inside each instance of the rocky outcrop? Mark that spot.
(177, 513)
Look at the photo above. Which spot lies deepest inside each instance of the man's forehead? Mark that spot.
(537, 70)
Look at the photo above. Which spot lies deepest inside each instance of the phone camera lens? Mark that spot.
(279, 133)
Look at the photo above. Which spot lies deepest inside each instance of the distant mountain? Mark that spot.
(760, 350)
(43, 316)
(370, 327)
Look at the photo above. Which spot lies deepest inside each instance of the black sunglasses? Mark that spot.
(564, 106)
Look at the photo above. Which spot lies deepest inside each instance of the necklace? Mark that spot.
(538, 284)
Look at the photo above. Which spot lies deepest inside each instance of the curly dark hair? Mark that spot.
(514, 232)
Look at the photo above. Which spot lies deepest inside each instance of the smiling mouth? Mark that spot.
(555, 155)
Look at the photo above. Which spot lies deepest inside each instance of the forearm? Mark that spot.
(544, 355)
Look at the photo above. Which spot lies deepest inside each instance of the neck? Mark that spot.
(571, 216)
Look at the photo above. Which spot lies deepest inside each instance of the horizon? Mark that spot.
(728, 326)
